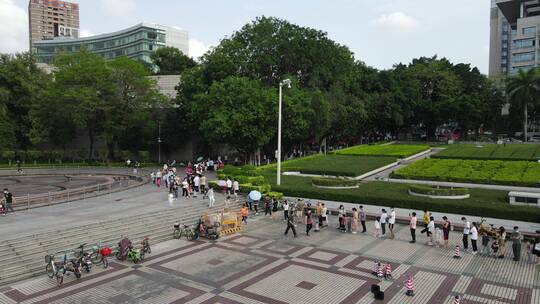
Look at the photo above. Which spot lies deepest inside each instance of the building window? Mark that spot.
(523, 43)
(529, 30)
(522, 57)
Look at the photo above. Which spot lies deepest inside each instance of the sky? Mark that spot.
(380, 33)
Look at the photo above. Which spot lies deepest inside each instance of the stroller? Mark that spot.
(124, 247)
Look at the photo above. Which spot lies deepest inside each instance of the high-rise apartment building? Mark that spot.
(48, 19)
(514, 33)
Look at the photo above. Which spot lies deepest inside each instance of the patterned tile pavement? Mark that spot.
(263, 266)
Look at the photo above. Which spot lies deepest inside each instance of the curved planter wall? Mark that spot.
(451, 197)
(335, 187)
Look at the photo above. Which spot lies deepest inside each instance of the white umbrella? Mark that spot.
(255, 195)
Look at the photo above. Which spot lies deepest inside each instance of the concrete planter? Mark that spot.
(451, 197)
(335, 187)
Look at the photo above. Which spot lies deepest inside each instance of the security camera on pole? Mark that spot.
(286, 82)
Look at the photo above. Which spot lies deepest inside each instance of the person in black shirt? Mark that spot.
(8, 198)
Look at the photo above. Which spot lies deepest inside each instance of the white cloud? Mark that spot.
(397, 21)
(197, 48)
(117, 8)
(13, 28)
(86, 33)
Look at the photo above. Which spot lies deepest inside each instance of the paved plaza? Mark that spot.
(42, 184)
(263, 266)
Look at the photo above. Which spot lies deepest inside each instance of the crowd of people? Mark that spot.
(191, 182)
(493, 241)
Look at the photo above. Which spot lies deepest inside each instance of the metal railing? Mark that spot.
(122, 179)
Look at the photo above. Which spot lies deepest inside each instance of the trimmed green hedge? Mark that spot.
(274, 195)
(395, 150)
(515, 173)
(481, 203)
(333, 182)
(428, 190)
(509, 152)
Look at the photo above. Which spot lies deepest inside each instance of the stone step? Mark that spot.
(23, 257)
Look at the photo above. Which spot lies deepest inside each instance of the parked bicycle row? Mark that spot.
(75, 262)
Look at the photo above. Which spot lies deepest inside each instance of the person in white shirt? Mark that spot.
(392, 221)
(430, 230)
(285, 210)
(196, 184)
(236, 188)
(185, 188)
(474, 237)
(466, 232)
(203, 185)
(228, 183)
(211, 197)
(325, 215)
(412, 226)
(377, 227)
(384, 217)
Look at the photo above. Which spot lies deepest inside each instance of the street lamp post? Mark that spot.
(286, 82)
(159, 142)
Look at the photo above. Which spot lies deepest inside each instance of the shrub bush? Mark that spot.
(246, 188)
(428, 190)
(333, 182)
(274, 195)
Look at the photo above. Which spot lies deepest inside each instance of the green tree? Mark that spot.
(130, 108)
(269, 48)
(21, 84)
(238, 111)
(170, 60)
(84, 83)
(523, 89)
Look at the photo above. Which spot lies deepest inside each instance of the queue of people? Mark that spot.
(494, 241)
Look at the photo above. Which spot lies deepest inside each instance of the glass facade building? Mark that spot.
(136, 42)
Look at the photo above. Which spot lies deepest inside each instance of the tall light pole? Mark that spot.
(286, 82)
(159, 142)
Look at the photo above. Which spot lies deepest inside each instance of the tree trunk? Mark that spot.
(525, 122)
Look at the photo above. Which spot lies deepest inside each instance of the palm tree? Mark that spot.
(523, 88)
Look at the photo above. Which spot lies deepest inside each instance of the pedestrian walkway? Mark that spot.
(263, 266)
(133, 202)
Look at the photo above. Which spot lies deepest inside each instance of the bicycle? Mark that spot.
(184, 230)
(99, 255)
(84, 258)
(54, 269)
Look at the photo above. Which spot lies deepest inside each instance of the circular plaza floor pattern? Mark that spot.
(39, 184)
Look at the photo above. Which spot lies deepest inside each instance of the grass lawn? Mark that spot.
(518, 173)
(395, 150)
(341, 165)
(488, 203)
(491, 152)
